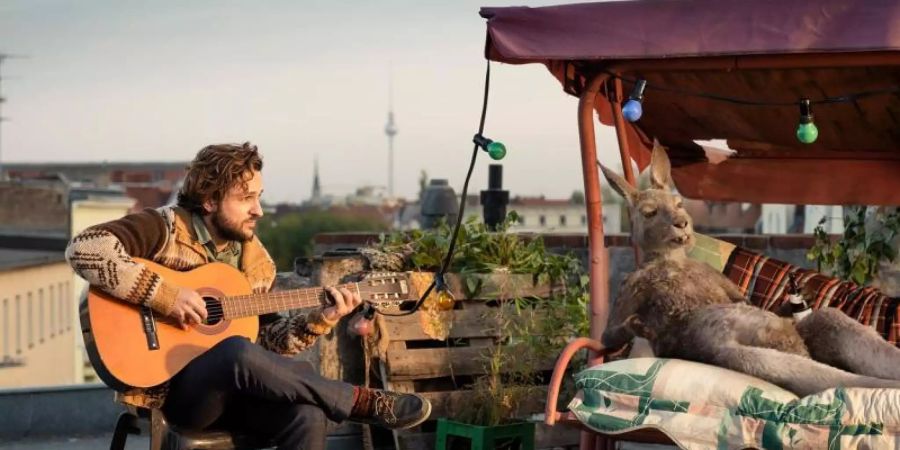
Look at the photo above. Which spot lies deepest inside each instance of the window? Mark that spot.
(542, 220)
(5, 328)
(61, 309)
(30, 303)
(562, 220)
(41, 320)
(51, 299)
(18, 324)
(583, 219)
(68, 301)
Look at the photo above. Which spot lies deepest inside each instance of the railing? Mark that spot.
(26, 322)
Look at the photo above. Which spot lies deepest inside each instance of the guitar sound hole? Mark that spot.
(214, 312)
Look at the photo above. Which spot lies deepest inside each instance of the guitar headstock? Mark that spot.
(384, 289)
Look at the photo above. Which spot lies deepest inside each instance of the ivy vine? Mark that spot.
(867, 240)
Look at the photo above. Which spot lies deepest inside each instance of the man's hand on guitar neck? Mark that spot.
(189, 308)
(344, 303)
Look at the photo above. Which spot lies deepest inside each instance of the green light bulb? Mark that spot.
(807, 133)
(496, 150)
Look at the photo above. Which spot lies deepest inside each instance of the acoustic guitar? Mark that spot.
(129, 347)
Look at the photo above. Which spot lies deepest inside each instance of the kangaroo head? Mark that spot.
(659, 224)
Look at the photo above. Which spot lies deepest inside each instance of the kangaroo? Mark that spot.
(688, 310)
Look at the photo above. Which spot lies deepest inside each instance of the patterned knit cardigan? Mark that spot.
(102, 255)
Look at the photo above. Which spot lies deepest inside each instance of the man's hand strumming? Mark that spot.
(189, 308)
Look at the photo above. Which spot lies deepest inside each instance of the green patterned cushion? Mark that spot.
(706, 407)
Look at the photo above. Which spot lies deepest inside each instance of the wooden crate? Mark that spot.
(440, 370)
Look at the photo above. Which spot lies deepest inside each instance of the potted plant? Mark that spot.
(529, 329)
(866, 252)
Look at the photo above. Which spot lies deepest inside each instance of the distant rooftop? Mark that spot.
(102, 172)
(90, 164)
(150, 183)
(540, 201)
(19, 259)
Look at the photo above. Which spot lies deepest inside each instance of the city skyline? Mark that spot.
(116, 82)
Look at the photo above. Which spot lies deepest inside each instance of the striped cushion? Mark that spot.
(706, 407)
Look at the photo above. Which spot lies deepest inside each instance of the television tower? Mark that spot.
(390, 130)
(317, 186)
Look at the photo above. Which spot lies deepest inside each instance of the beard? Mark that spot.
(231, 230)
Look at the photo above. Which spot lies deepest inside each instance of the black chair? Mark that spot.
(164, 436)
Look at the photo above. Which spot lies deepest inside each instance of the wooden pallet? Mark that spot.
(440, 370)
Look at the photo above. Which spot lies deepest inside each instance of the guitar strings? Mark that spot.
(258, 303)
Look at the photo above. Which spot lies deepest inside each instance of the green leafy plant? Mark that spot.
(530, 330)
(480, 250)
(856, 255)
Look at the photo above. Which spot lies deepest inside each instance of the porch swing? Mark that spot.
(807, 95)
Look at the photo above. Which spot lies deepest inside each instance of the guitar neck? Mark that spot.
(235, 307)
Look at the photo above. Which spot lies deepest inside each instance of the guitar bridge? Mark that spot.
(149, 325)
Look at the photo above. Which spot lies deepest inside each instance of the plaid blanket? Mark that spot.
(764, 281)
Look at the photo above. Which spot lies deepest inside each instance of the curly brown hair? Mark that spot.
(215, 170)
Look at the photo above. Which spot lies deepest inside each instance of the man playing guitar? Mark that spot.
(236, 384)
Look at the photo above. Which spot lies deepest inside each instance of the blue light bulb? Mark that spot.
(632, 110)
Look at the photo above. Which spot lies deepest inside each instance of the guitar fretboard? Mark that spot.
(238, 306)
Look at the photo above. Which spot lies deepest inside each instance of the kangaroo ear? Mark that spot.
(660, 167)
(619, 184)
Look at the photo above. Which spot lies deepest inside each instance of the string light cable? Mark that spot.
(496, 150)
(807, 132)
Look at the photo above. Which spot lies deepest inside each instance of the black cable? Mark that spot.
(741, 101)
(439, 276)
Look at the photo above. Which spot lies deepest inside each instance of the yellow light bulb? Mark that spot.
(445, 300)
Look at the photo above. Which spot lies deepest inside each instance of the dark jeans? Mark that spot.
(239, 385)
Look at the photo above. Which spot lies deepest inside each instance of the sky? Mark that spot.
(157, 81)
